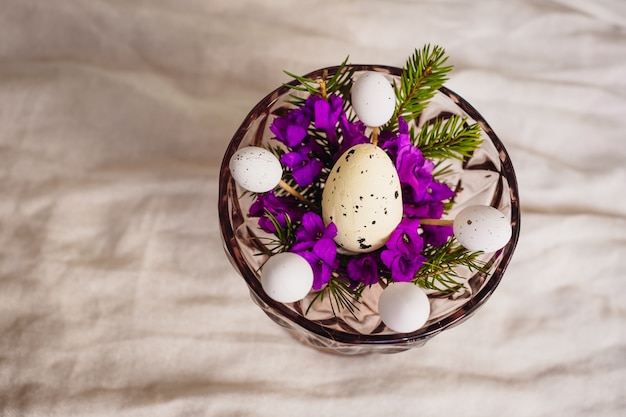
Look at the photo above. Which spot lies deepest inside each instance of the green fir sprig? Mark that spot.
(423, 74)
(441, 270)
(448, 138)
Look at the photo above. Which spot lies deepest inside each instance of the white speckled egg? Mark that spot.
(373, 99)
(287, 277)
(403, 307)
(483, 228)
(362, 196)
(255, 169)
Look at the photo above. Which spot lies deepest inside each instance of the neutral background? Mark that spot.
(116, 297)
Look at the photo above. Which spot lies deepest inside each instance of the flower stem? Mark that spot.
(437, 222)
(323, 91)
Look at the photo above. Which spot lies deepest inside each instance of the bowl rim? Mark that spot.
(233, 250)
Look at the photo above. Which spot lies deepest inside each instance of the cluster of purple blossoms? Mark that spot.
(305, 152)
(306, 159)
(403, 251)
(314, 242)
(423, 196)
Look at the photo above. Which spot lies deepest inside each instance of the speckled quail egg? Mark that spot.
(482, 228)
(256, 169)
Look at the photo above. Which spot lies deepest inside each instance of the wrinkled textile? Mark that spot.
(116, 297)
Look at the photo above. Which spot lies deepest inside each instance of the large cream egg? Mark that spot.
(403, 307)
(362, 196)
(256, 169)
(482, 228)
(287, 277)
(373, 99)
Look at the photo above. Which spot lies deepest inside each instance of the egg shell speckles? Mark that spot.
(483, 228)
(362, 196)
(373, 99)
(255, 169)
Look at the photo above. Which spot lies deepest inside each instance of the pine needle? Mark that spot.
(342, 296)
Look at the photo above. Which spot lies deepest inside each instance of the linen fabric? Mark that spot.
(116, 297)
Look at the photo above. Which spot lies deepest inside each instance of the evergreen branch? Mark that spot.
(452, 138)
(424, 73)
(439, 273)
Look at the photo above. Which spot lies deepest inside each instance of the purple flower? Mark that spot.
(403, 254)
(292, 128)
(352, 133)
(364, 269)
(311, 230)
(393, 143)
(326, 114)
(323, 260)
(314, 242)
(303, 166)
(422, 196)
(436, 235)
(414, 170)
(428, 204)
(278, 207)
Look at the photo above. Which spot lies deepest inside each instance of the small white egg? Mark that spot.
(373, 99)
(482, 228)
(256, 169)
(403, 307)
(287, 277)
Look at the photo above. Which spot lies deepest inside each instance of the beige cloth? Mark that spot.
(116, 297)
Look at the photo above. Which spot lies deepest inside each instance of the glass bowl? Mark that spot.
(486, 178)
